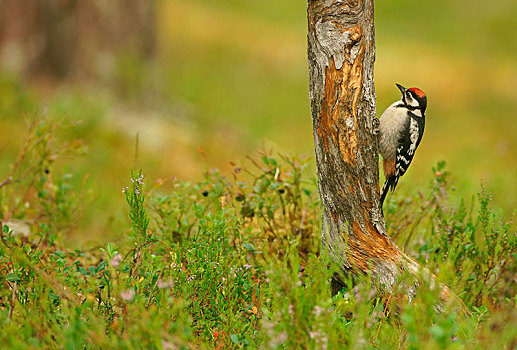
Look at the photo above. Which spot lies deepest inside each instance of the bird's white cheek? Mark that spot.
(414, 103)
(417, 112)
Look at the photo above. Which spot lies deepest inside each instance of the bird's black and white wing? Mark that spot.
(408, 143)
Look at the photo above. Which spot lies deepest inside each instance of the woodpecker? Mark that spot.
(400, 131)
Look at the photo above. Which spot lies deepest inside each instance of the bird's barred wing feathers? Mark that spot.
(407, 147)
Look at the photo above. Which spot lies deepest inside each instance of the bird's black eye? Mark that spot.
(408, 94)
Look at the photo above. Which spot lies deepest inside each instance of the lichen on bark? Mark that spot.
(341, 54)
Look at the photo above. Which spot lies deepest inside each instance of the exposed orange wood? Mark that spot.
(327, 127)
(343, 111)
(367, 247)
(342, 88)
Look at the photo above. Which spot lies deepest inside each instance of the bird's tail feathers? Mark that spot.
(389, 184)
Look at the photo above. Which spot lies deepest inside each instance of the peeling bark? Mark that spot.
(341, 55)
(341, 49)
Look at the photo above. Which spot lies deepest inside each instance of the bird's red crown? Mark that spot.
(417, 92)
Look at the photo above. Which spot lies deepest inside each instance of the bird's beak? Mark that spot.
(401, 88)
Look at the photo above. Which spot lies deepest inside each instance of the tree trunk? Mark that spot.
(341, 54)
(63, 38)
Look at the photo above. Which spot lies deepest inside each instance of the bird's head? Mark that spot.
(413, 97)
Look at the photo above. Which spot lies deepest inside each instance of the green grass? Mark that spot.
(241, 66)
(240, 81)
(230, 258)
(234, 262)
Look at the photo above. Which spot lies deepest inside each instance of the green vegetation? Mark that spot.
(230, 258)
(241, 66)
(233, 262)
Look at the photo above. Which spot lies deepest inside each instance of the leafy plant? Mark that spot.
(234, 262)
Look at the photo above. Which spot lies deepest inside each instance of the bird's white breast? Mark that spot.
(391, 125)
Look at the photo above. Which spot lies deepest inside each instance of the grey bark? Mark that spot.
(341, 55)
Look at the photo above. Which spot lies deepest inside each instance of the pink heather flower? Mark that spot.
(128, 295)
(357, 294)
(314, 334)
(372, 293)
(168, 345)
(318, 310)
(164, 284)
(281, 338)
(115, 262)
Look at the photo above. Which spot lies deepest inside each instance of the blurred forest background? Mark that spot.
(206, 82)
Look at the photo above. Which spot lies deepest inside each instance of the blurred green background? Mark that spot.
(206, 82)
